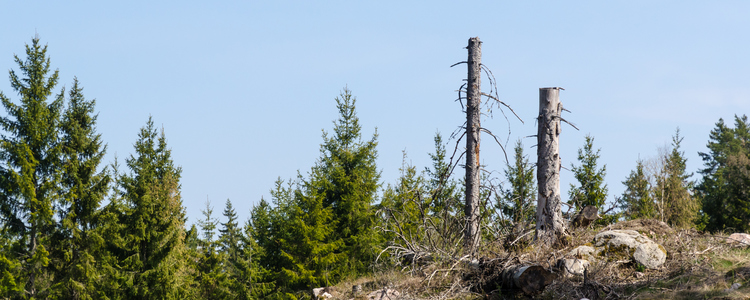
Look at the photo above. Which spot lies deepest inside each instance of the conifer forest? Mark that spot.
(74, 226)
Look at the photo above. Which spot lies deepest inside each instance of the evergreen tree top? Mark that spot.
(591, 189)
(347, 128)
(36, 86)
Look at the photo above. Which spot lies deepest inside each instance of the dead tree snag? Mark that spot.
(550, 226)
(473, 127)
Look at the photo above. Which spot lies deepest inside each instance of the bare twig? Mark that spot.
(503, 103)
(497, 141)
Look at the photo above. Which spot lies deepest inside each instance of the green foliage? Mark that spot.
(345, 178)
(151, 256)
(726, 179)
(445, 197)
(78, 243)
(636, 199)
(9, 285)
(236, 262)
(591, 189)
(30, 172)
(212, 278)
(404, 205)
(674, 188)
(319, 230)
(518, 201)
(294, 238)
(423, 208)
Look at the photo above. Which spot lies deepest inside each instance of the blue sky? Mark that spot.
(244, 89)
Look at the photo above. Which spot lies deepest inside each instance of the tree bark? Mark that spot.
(550, 226)
(473, 101)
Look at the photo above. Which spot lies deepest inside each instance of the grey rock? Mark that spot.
(630, 244)
(585, 252)
(321, 293)
(384, 294)
(739, 239)
(573, 266)
(650, 255)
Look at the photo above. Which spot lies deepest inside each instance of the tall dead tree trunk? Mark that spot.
(550, 226)
(473, 101)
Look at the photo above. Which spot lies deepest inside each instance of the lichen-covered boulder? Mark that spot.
(739, 239)
(650, 255)
(629, 244)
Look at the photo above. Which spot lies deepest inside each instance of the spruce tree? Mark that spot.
(30, 171)
(445, 195)
(212, 278)
(682, 208)
(518, 200)
(590, 189)
(404, 206)
(311, 253)
(346, 178)
(111, 222)
(637, 202)
(230, 233)
(152, 258)
(722, 187)
(258, 248)
(236, 264)
(78, 242)
(295, 238)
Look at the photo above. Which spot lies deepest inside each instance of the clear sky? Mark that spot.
(243, 89)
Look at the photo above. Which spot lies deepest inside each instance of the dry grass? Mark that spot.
(698, 266)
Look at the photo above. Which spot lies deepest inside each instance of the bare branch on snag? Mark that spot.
(491, 78)
(461, 129)
(451, 162)
(458, 162)
(458, 63)
(498, 142)
(571, 124)
(459, 96)
(503, 103)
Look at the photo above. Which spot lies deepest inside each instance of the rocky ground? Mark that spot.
(639, 259)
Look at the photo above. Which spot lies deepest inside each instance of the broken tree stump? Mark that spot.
(586, 216)
(529, 279)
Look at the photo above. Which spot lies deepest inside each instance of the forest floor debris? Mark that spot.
(698, 266)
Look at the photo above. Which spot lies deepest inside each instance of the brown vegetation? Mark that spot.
(698, 266)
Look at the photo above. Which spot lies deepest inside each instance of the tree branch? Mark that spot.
(503, 103)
